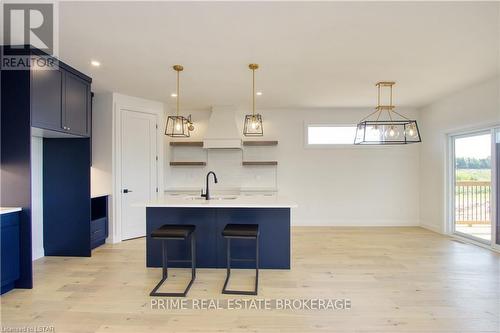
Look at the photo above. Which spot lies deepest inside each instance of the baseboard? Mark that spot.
(354, 223)
(432, 228)
(38, 253)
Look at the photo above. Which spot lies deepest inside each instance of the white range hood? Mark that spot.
(222, 132)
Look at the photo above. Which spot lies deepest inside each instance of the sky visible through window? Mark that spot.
(478, 146)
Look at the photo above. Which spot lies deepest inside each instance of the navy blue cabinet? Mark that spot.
(47, 98)
(44, 102)
(76, 113)
(66, 197)
(60, 100)
(274, 241)
(98, 221)
(9, 250)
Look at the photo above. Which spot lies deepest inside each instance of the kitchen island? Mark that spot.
(270, 211)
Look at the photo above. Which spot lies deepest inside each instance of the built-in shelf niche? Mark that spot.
(253, 155)
(188, 154)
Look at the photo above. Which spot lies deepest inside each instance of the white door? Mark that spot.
(139, 170)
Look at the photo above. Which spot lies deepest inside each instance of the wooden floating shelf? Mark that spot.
(260, 143)
(186, 143)
(260, 163)
(188, 163)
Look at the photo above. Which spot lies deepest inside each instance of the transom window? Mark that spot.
(326, 134)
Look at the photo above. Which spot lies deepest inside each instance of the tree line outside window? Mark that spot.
(473, 163)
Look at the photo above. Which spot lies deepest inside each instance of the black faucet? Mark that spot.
(207, 191)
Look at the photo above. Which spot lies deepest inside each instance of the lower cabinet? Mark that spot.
(99, 221)
(10, 250)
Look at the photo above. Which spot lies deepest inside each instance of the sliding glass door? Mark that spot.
(472, 185)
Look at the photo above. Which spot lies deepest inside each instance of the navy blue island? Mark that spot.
(271, 212)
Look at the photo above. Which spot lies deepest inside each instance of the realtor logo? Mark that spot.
(29, 24)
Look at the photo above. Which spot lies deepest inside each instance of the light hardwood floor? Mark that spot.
(398, 280)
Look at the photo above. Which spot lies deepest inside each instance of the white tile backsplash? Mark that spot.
(226, 163)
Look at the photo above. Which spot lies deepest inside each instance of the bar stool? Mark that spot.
(175, 232)
(241, 231)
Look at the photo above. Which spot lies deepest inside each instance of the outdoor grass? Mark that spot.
(473, 174)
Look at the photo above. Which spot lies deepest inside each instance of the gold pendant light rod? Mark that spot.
(253, 67)
(178, 69)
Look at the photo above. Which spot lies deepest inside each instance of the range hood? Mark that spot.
(222, 132)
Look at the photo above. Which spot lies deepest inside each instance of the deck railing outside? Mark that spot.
(472, 202)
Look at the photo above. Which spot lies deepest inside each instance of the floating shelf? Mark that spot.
(188, 163)
(248, 163)
(260, 143)
(186, 143)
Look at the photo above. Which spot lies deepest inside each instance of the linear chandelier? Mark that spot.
(253, 122)
(178, 126)
(385, 126)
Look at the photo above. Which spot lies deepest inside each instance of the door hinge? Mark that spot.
(157, 190)
(157, 157)
(156, 126)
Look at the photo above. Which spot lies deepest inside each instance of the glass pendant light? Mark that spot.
(179, 126)
(253, 122)
(385, 126)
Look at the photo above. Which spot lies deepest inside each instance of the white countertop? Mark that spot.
(7, 210)
(223, 201)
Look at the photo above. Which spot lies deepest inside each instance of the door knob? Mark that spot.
(126, 190)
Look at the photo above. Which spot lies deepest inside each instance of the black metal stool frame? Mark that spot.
(228, 271)
(165, 267)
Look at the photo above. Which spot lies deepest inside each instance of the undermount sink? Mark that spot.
(215, 197)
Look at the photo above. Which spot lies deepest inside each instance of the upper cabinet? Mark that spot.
(60, 100)
(47, 98)
(76, 115)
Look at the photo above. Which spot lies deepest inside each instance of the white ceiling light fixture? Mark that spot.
(173, 95)
(95, 63)
(178, 126)
(253, 122)
(385, 126)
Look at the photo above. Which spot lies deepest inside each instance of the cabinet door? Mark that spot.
(10, 248)
(46, 99)
(76, 116)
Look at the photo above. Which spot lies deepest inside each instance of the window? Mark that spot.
(330, 134)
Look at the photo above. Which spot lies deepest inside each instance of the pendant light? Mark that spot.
(178, 126)
(385, 126)
(253, 122)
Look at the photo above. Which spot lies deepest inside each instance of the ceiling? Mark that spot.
(322, 54)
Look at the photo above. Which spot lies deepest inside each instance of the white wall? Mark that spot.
(102, 152)
(349, 186)
(469, 109)
(37, 197)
